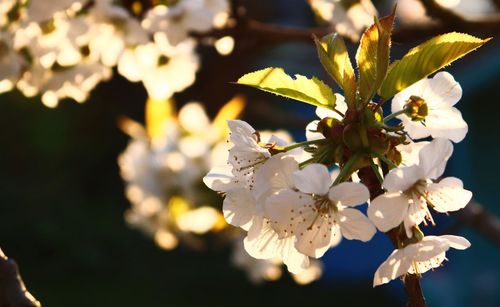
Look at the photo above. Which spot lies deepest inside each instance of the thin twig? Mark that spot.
(13, 292)
(480, 220)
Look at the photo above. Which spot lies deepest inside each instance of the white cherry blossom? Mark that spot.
(242, 205)
(349, 19)
(178, 20)
(410, 191)
(318, 215)
(163, 69)
(248, 152)
(437, 116)
(417, 258)
(112, 29)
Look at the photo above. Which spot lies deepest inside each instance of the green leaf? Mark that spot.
(276, 81)
(373, 57)
(426, 59)
(333, 55)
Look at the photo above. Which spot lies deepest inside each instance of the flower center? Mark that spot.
(416, 108)
(163, 60)
(418, 194)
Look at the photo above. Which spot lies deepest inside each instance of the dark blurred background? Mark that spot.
(62, 198)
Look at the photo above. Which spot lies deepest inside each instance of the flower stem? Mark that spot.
(393, 115)
(338, 112)
(414, 291)
(346, 170)
(376, 171)
(384, 159)
(301, 144)
(304, 163)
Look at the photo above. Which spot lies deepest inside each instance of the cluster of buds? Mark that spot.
(299, 200)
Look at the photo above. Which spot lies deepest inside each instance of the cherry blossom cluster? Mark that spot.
(163, 167)
(64, 48)
(296, 205)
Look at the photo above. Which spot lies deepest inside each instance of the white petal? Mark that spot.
(415, 215)
(340, 105)
(429, 247)
(444, 89)
(395, 266)
(313, 179)
(284, 209)
(239, 208)
(241, 133)
(388, 210)
(315, 240)
(447, 123)
(261, 239)
(410, 152)
(283, 139)
(456, 241)
(402, 178)
(275, 175)
(416, 130)
(240, 128)
(448, 195)
(433, 157)
(262, 242)
(315, 231)
(311, 135)
(324, 112)
(354, 225)
(349, 194)
(220, 178)
(295, 261)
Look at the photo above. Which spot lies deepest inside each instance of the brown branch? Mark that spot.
(414, 291)
(245, 27)
(480, 220)
(13, 293)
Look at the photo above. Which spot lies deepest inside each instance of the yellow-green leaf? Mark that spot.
(333, 55)
(426, 59)
(373, 56)
(276, 81)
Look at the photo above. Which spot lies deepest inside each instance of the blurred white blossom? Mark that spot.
(163, 166)
(163, 69)
(350, 18)
(178, 20)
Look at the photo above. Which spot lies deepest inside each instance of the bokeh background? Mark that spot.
(62, 200)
